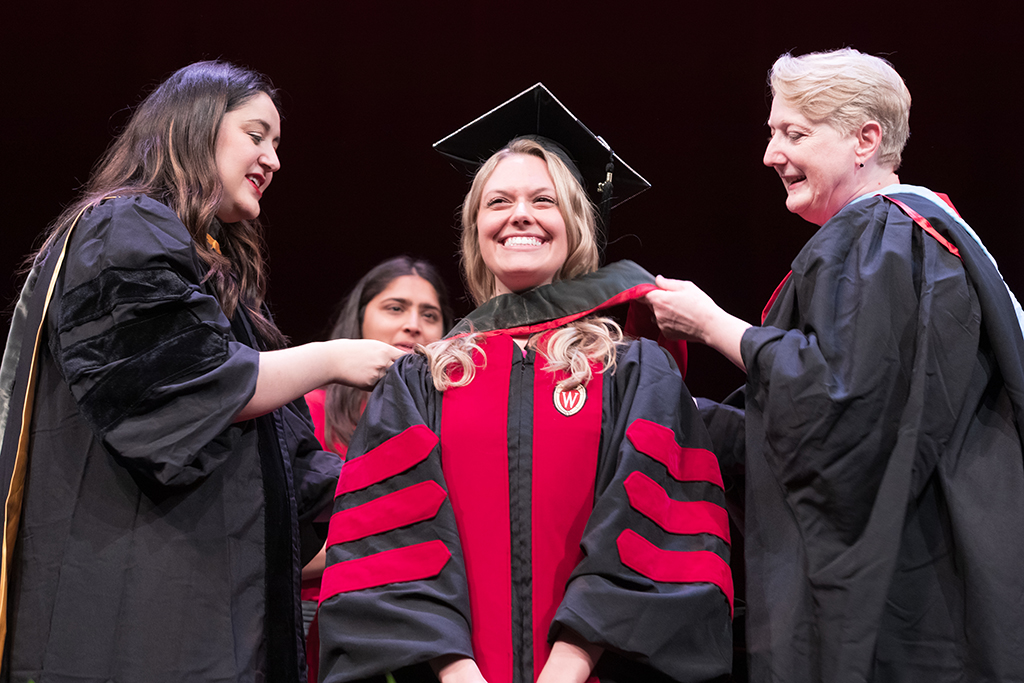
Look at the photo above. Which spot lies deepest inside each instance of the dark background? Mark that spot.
(678, 89)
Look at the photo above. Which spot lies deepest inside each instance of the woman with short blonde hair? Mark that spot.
(846, 88)
(883, 433)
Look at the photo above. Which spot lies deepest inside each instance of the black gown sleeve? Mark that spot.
(394, 594)
(726, 424)
(145, 350)
(835, 376)
(314, 476)
(654, 587)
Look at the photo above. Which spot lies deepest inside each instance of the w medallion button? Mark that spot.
(571, 401)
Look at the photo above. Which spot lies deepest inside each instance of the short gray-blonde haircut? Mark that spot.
(845, 88)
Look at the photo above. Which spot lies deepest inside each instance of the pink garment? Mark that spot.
(316, 400)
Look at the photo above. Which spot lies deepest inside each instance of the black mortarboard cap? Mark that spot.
(535, 112)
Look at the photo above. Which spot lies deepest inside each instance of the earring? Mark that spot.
(862, 165)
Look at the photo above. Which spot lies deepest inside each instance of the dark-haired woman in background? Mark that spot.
(402, 302)
(155, 492)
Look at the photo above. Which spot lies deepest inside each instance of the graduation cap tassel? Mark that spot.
(607, 189)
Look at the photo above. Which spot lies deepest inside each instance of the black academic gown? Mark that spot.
(481, 521)
(883, 458)
(157, 540)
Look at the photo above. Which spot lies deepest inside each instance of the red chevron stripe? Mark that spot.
(411, 563)
(674, 566)
(684, 464)
(675, 516)
(392, 457)
(401, 508)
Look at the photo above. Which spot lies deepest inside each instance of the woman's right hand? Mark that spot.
(361, 363)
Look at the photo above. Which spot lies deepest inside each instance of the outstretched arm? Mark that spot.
(684, 311)
(287, 374)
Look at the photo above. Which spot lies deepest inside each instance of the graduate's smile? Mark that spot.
(523, 241)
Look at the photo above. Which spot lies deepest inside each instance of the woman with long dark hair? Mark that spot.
(157, 459)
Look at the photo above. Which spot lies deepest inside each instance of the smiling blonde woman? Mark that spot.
(494, 521)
